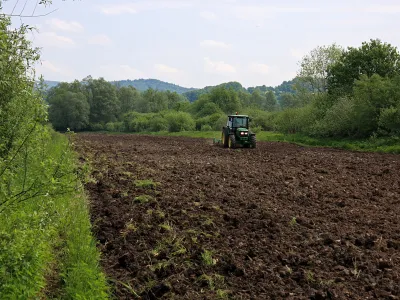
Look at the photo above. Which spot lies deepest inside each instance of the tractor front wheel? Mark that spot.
(224, 140)
(253, 141)
(232, 141)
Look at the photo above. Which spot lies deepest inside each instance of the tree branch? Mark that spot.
(32, 16)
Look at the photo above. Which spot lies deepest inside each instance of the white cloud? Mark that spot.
(117, 9)
(58, 24)
(259, 68)
(214, 44)
(100, 39)
(165, 69)
(387, 9)
(119, 72)
(52, 39)
(261, 12)
(218, 66)
(208, 15)
(144, 5)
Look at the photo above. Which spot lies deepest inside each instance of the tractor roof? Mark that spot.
(240, 116)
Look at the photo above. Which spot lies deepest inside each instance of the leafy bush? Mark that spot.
(110, 126)
(295, 120)
(206, 128)
(338, 120)
(97, 127)
(179, 121)
(389, 120)
(158, 123)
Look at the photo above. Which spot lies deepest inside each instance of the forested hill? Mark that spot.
(145, 84)
(193, 94)
(284, 87)
(141, 85)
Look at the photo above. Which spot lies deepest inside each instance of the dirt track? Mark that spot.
(280, 221)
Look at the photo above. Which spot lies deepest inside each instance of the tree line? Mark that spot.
(95, 104)
(337, 92)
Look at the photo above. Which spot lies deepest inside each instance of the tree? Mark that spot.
(288, 100)
(152, 101)
(314, 66)
(68, 108)
(103, 101)
(226, 99)
(257, 99)
(373, 57)
(270, 103)
(128, 98)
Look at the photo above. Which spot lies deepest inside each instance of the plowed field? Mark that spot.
(179, 218)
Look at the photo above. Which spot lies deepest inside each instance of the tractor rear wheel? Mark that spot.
(253, 141)
(232, 141)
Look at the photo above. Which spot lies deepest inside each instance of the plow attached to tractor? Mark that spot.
(236, 133)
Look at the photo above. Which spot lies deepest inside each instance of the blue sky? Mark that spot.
(195, 43)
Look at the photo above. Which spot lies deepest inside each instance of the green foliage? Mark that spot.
(207, 257)
(206, 128)
(146, 184)
(288, 100)
(270, 103)
(39, 187)
(179, 121)
(68, 109)
(295, 120)
(103, 101)
(339, 120)
(152, 101)
(143, 198)
(129, 98)
(314, 66)
(389, 120)
(373, 57)
(226, 99)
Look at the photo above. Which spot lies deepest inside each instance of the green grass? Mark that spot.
(146, 184)
(143, 199)
(46, 246)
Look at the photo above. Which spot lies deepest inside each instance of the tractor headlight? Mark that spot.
(242, 133)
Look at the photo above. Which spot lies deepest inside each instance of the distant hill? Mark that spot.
(50, 84)
(145, 84)
(284, 87)
(195, 94)
(141, 85)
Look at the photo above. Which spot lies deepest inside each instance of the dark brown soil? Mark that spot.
(276, 222)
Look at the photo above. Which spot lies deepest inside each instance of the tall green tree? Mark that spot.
(103, 101)
(288, 100)
(68, 108)
(257, 99)
(314, 66)
(152, 101)
(226, 99)
(373, 57)
(128, 98)
(270, 103)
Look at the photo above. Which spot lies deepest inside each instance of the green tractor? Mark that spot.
(236, 132)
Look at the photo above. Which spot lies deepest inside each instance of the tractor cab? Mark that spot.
(236, 132)
(238, 121)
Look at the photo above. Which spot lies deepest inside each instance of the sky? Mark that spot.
(197, 43)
